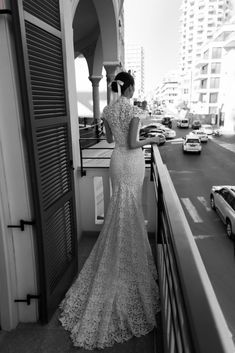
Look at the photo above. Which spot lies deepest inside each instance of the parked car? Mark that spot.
(196, 124)
(201, 134)
(217, 132)
(151, 131)
(223, 201)
(207, 128)
(157, 132)
(183, 123)
(191, 143)
(147, 152)
(167, 132)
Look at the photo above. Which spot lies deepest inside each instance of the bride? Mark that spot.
(115, 296)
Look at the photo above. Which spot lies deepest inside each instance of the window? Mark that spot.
(214, 82)
(204, 83)
(204, 69)
(215, 68)
(202, 97)
(213, 97)
(212, 110)
(216, 53)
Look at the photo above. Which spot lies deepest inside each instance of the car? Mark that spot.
(157, 132)
(222, 199)
(191, 143)
(167, 132)
(196, 124)
(147, 152)
(183, 123)
(217, 132)
(167, 120)
(207, 128)
(201, 134)
(148, 128)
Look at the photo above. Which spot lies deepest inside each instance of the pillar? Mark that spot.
(96, 96)
(111, 71)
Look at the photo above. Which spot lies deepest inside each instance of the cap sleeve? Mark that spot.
(104, 114)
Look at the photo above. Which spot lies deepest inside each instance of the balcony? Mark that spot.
(191, 319)
(183, 301)
(230, 41)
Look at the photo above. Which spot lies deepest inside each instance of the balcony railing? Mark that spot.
(191, 316)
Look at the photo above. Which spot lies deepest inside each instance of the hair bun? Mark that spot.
(114, 86)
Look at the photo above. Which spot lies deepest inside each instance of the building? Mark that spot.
(134, 61)
(199, 20)
(211, 71)
(167, 94)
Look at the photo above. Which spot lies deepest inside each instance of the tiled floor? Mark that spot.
(52, 338)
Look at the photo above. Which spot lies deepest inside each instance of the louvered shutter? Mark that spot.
(41, 61)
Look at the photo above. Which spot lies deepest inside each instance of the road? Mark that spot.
(193, 176)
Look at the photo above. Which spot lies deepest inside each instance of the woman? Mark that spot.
(115, 296)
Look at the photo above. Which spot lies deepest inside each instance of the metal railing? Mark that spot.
(192, 319)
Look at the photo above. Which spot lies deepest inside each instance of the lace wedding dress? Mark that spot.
(116, 295)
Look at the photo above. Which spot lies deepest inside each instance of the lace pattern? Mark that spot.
(116, 295)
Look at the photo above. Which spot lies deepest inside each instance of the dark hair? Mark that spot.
(126, 78)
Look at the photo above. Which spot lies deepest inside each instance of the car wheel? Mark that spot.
(229, 228)
(199, 152)
(212, 202)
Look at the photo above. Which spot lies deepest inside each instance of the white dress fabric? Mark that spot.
(115, 296)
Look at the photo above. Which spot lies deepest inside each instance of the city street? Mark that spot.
(193, 176)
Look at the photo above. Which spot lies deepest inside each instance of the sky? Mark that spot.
(154, 24)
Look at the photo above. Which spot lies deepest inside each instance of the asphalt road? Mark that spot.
(193, 176)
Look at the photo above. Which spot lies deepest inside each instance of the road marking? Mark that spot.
(176, 141)
(202, 237)
(204, 203)
(191, 210)
(181, 171)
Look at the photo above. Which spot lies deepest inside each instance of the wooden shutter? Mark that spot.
(41, 61)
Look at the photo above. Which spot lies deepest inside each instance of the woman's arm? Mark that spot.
(132, 138)
(108, 132)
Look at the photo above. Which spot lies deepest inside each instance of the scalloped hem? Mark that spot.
(109, 344)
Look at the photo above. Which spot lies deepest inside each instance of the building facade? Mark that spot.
(134, 62)
(199, 21)
(167, 94)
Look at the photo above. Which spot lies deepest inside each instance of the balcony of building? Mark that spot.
(190, 320)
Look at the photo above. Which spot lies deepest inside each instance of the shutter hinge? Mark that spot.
(21, 225)
(28, 299)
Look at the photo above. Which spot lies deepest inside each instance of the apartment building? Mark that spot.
(199, 21)
(215, 75)
(167, 94)
(134, 61)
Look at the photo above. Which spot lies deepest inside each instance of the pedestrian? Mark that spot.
(116, 296)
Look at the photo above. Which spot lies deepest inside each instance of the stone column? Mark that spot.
(111, 71)
(96, 96)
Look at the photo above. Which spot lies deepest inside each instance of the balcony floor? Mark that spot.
(52, 338)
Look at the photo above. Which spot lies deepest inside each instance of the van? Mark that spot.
(184, 123)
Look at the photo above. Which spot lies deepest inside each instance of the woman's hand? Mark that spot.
(155, 139)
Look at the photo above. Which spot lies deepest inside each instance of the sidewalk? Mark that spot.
(226, 140)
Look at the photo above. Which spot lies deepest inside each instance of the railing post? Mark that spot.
(83, 172)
